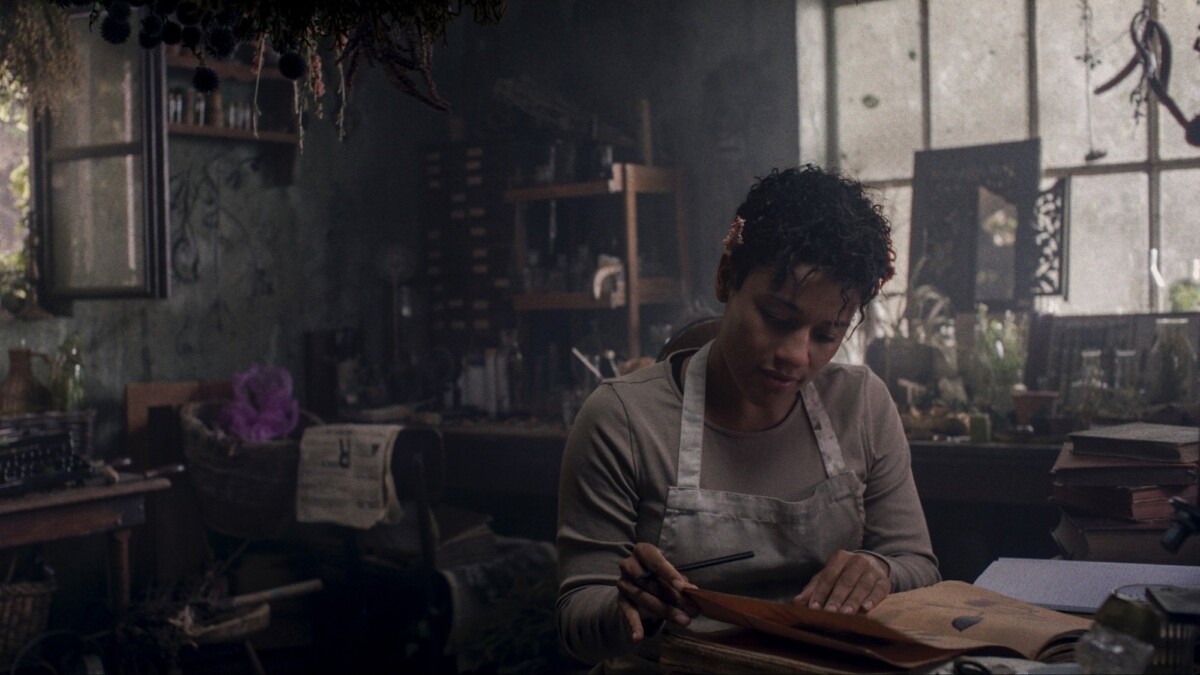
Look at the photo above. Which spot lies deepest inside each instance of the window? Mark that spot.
(909, 75)
(14, 196)
(99, 174)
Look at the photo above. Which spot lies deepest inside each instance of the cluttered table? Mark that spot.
(39, 517)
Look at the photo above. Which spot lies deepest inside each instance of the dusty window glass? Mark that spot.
(897, 208)
(1180, 236)
(978, 72)
(15, 199)
(1063, 93)
(1180, 18)
(103, 107)
(14, 177)
(1109, 247)
(879, 88)
(92, 256)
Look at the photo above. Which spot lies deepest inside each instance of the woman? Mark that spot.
(804, 462)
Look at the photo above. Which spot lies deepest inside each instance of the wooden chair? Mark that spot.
(691, 336)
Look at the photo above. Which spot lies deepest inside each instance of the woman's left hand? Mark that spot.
(850, 582)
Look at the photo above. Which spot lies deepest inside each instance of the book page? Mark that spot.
(345, 475)
(910, 629)
(956, 608)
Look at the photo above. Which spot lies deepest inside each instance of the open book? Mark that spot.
(914, 628)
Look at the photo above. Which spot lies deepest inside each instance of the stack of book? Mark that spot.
(1113, 485)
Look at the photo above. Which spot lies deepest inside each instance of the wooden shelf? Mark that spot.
(234, 134)
(631, 177)
(654, 290)
(226, 70)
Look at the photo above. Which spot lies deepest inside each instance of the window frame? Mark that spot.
(1152, 168)
(154, 278)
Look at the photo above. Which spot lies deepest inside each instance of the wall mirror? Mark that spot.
(978, 235)
(99, 176)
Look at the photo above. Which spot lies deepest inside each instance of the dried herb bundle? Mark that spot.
(38, 60)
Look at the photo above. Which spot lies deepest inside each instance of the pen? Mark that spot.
(646, 576)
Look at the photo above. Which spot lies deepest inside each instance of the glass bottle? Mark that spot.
(1126, 382)
(1088, 387)
(1171, 363)
(66, 382)
(515, 366)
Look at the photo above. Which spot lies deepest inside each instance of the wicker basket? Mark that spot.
(79, 424)
(24, 611)
(246, 490)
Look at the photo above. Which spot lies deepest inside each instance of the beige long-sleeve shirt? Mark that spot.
(621, 457)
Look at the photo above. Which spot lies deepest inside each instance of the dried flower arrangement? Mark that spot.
(396, 35)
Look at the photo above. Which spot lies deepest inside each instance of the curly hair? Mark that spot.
(808, 215)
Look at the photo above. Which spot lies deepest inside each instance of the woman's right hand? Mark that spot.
(657, 598)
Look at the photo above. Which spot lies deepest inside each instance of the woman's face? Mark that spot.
(773, 340)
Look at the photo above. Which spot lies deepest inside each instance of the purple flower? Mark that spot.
(262, 407)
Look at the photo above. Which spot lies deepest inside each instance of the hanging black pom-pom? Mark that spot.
(115, 31)
(172, 33)
(188, 13)
(152, 25)
(191, 37)
(221, 42)
(165, 7)
(149, 40)
(119, 9)
(292, 65)
(205, 79)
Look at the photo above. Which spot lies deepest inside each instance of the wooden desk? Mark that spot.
(78, 511)
(746, 651)
(982, 500)
(517, 461)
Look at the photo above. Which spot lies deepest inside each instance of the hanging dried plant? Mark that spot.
(396, 35)
(38, 60)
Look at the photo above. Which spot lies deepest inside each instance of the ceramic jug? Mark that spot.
(21, 392)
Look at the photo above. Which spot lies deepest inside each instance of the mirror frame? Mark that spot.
(942, 249)
(153, 279)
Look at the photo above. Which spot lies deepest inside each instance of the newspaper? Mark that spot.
(345, 475)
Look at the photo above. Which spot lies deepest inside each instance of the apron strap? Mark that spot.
(827, 442)
(691, 422)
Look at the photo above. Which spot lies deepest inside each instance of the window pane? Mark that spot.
(879, 88)
(1180, 257)
(1063, 85)
(14, 176)
(105, 106)
(977, 72)
(97, 247)
(1180, 17)
(897, 208)
(1109, 245)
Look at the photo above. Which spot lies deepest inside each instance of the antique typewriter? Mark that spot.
(38, 462)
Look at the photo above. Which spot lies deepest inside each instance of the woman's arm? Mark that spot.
(895, 524)
(597, 514)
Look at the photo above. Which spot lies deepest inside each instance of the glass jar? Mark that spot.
(1087, 388)
(1171, 363)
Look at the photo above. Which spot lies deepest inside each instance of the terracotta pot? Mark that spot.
(21, 392)
(1031, 405)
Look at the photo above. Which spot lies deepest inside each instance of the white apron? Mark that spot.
(791, 540)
